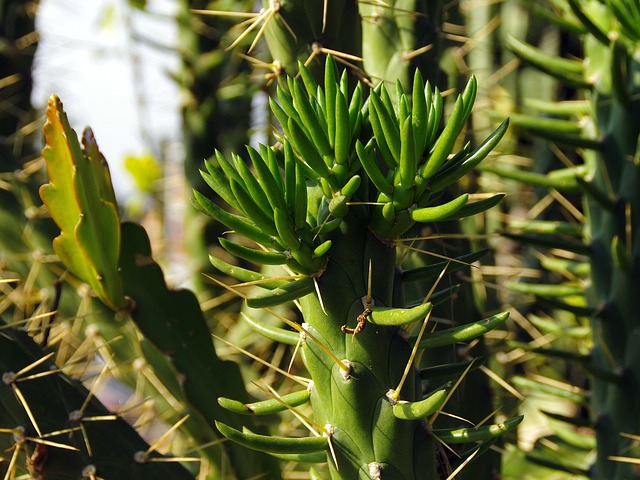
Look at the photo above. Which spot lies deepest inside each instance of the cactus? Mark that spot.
(54, 427)
(371, 173)
(378, 41)
(356, 178)
(381, 42)
(39, 300)
(602, 272)
(115, 260)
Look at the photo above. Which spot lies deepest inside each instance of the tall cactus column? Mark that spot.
(613, 232)
(608, 181)
(401, 35)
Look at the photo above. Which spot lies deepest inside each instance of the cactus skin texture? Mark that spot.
(355, 179)
(608, 181)
(52, 400)
(613, 236)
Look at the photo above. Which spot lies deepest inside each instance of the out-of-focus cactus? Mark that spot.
(216, 95)
(379, 41)
(400, 36)
(18, 42)
(331, 204)
(54, 428)
(214, 85)
(605, 291)
(115, 260)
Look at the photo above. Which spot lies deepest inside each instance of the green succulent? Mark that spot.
(347, 185)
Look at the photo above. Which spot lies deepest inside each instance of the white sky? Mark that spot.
(87, 57)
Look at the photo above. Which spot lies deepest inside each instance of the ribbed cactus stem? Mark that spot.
(399, 36)
(609, 182)
(614, 238)
(367, 437)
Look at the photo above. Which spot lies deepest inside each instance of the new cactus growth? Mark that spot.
(115, 260)
(332, 203)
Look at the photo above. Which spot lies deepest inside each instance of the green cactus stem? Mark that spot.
(325, 220)
(608, 181)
